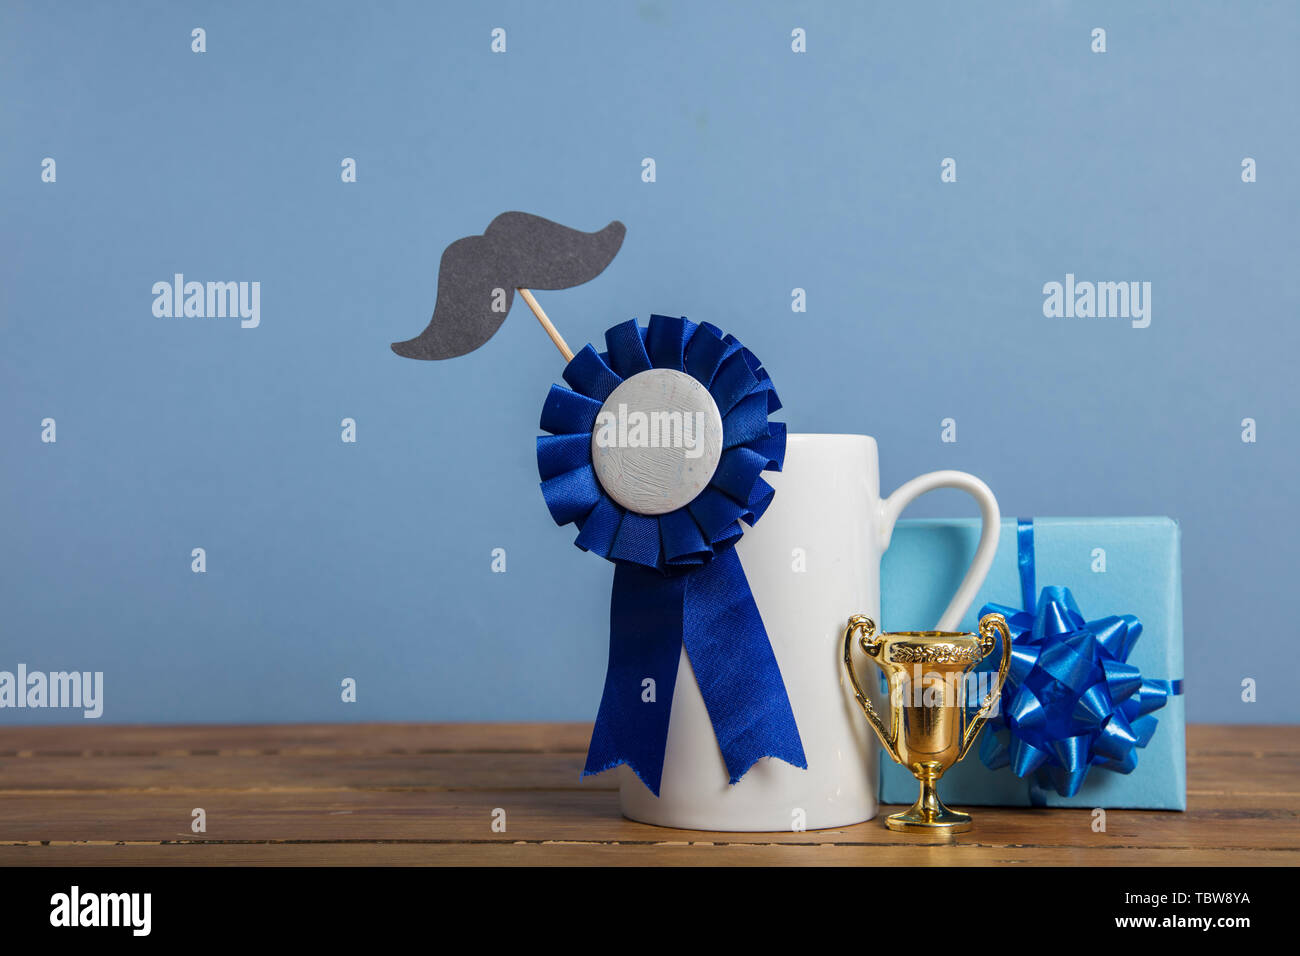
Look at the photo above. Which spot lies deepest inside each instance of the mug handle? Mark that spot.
(909, 491)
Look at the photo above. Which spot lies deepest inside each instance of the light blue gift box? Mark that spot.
(1142, 576)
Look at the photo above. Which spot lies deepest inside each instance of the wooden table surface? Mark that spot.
(426, 794)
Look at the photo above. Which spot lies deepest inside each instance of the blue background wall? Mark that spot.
(775, 170)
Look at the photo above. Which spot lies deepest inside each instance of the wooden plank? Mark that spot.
(1277, 775)
(1243, 739)
(90, 738)
(299, 772)
(1218, 780)
(572, 815)
(616, 854)
(143, 739)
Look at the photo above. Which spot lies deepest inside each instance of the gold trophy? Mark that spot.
(927, 693)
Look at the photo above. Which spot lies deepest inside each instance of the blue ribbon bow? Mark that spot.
(1071, 699)
(677, 579)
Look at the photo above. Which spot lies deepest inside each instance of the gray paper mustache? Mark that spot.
(517, 250)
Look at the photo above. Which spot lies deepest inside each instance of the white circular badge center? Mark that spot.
(657, 441)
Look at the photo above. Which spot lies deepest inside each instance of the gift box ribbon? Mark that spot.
(677, 580)
(1071, 700)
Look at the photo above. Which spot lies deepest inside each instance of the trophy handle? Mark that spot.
(860, 622)
(989, 623)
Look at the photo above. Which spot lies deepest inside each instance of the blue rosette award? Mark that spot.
(671, 534)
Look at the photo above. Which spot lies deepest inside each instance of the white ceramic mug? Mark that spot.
(812, 561)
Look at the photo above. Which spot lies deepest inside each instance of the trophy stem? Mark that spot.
(929, 812)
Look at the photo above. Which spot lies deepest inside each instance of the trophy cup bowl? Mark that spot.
(928, 728)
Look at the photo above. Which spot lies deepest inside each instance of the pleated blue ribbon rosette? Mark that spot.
(677, 578)
(1071, 700)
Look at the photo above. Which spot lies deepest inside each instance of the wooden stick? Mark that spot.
(551, 330)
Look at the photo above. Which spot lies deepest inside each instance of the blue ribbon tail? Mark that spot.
(712, 612)
(735, 669)
(645, 628)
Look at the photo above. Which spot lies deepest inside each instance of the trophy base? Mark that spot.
(929, 814)
(918, 819)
